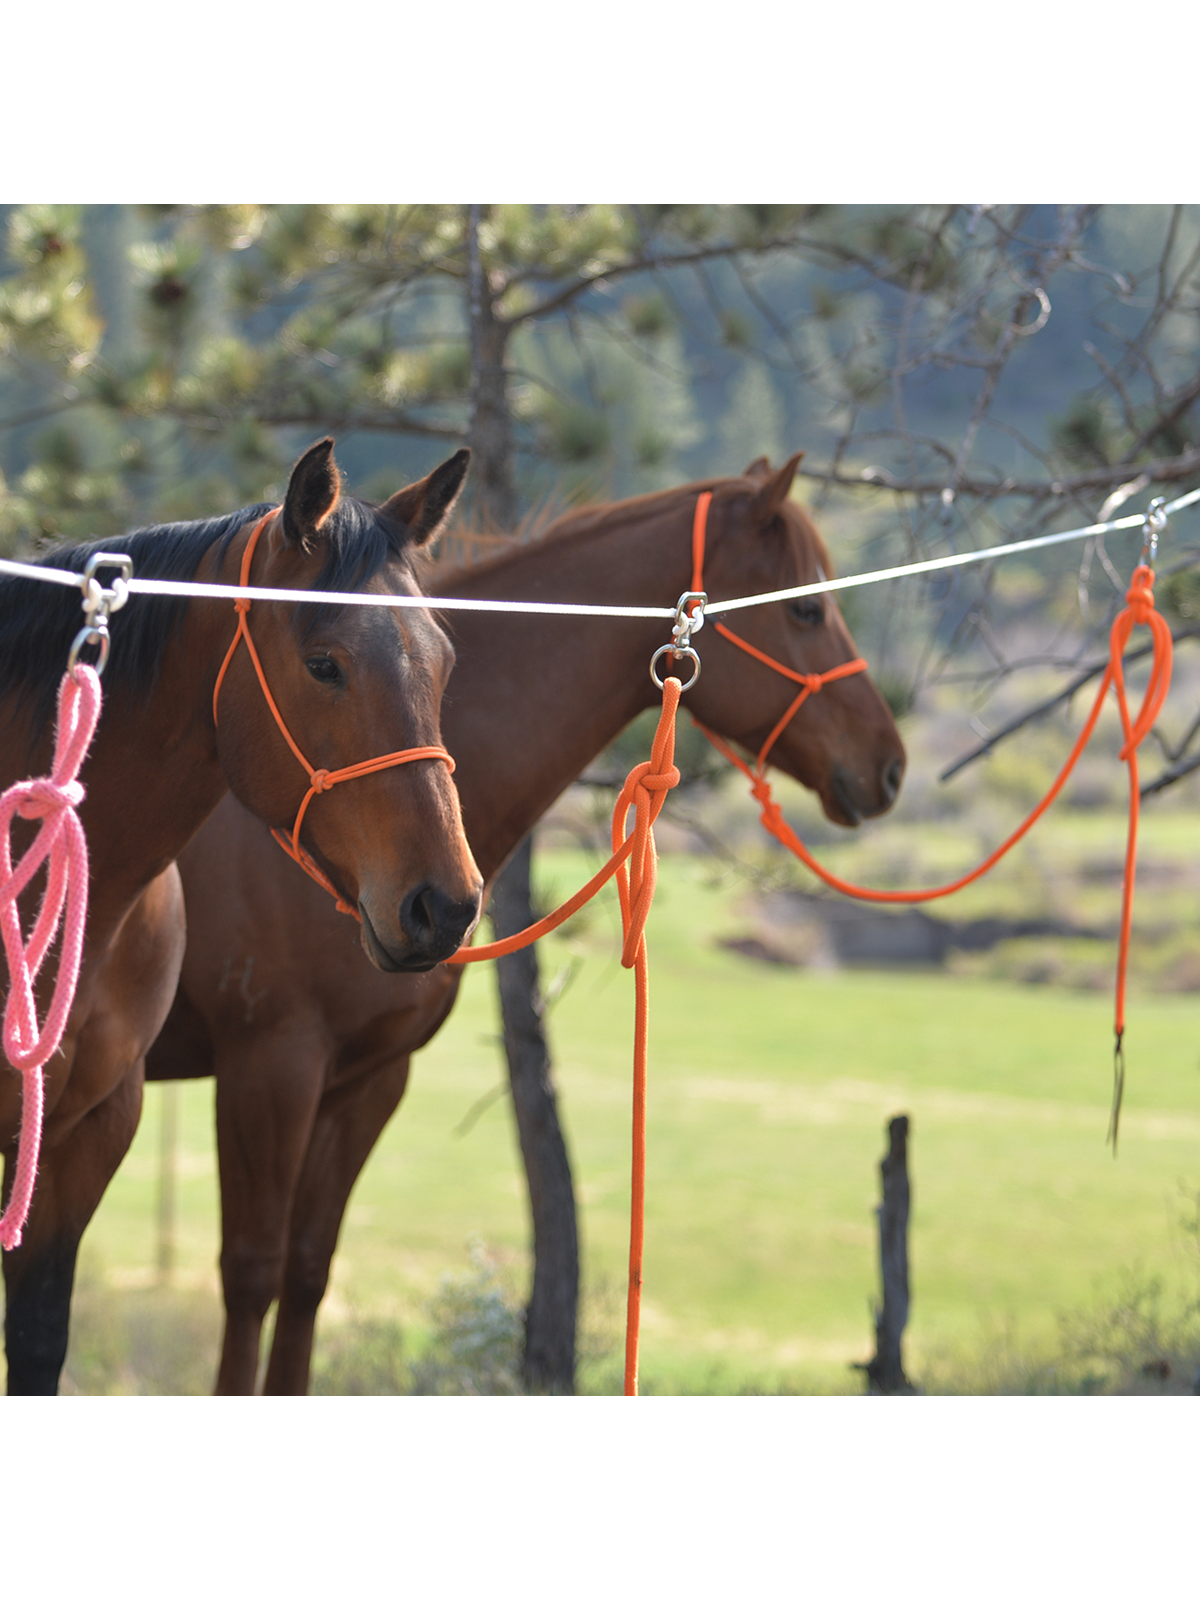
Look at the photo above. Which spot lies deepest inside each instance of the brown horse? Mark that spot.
(351, 683)
(310, 1047)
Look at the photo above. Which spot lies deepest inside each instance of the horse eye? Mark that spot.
(324, 669)
(809, 610)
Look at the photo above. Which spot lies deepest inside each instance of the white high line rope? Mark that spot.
(222, 591)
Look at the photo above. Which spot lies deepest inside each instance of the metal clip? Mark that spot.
(98, 605)
(1156, 523)
(687, 622)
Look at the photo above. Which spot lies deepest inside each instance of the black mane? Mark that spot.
(39, 620)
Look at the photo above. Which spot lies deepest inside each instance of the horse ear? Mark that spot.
(424, 506)
(312, 492)
(773, 491)
(758, 469)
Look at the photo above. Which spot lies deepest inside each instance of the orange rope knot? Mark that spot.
(1140, 594)
(1141, 612)
(321, 780)
(645, 788)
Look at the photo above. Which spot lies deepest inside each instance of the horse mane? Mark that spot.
(39, 620)
(481, 550)
(474, 542)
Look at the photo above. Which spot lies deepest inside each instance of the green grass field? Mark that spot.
(769, 1091)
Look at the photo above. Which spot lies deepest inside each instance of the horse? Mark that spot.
(311, 1047)
(352, 682)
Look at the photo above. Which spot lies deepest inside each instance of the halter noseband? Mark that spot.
(319, 778)
(811, 681)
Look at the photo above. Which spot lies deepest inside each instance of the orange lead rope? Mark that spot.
(634, 864)
(1139, 611)
(319, 778)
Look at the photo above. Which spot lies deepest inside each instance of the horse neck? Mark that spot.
(533, 699)
(153, 776)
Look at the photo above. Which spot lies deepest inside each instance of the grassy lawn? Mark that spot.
(769, 1091)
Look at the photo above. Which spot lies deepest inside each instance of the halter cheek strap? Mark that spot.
(812, 681)
(319, 778)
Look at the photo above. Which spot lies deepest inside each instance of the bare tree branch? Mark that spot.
(1064, 695)
(1168, 469)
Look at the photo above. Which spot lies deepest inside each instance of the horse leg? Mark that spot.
(39, 1275)
(268, 1091)
(348, 1125)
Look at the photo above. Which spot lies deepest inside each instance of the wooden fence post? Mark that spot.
(885, 1370)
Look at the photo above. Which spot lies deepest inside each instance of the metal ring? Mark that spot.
(89, 635)
(670, 650)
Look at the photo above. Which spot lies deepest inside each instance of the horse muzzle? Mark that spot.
(431, 925)
(849, 799)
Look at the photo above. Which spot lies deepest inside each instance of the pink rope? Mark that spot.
(61, 846)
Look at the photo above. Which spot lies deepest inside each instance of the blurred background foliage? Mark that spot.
(956, 374)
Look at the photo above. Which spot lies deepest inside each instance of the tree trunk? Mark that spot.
(885, 1370)
(491, 423)
(549, 1363)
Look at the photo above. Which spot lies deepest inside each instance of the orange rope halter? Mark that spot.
(319, 778)
(1139, 611)
(812, 681)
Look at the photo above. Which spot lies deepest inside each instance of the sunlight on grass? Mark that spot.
(769, 1091)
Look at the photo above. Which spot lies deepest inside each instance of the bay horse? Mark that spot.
(350, 682)
(309, 1045)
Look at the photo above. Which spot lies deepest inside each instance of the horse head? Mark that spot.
(842, 742)
(354, 683)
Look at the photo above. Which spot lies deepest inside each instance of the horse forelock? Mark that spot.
(359, 540)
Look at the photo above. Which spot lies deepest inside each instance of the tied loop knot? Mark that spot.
(321, 780)
(42, 798)
(772, 816)
(645, 789)
(241, 606)
(654, 782)
(1140, 596)
(760, 788)
(1140, 612)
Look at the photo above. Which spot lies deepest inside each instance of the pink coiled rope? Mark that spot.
(60, 845)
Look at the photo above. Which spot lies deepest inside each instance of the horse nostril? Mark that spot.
(430, 916)
(892, 775)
